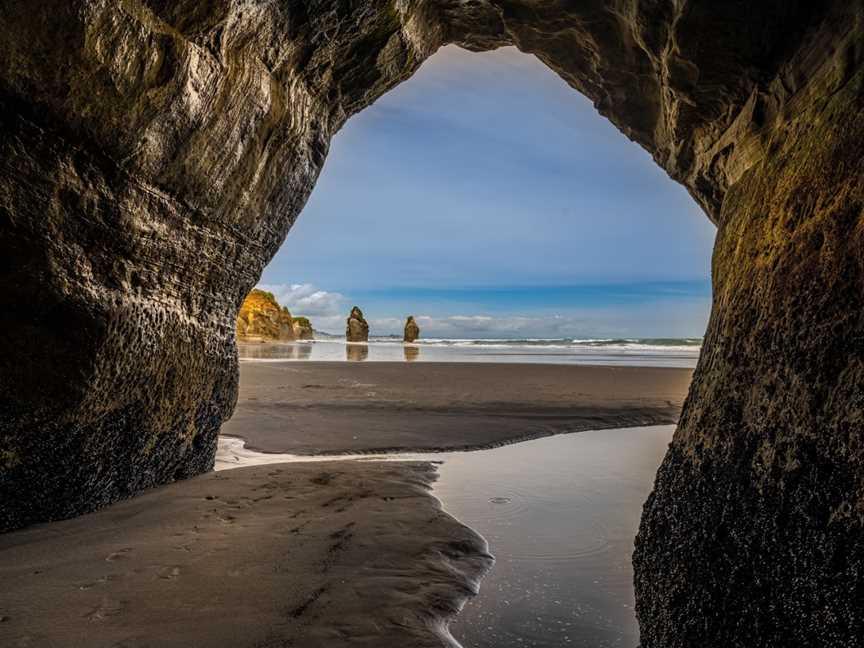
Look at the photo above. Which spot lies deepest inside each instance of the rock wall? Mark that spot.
(154, 154)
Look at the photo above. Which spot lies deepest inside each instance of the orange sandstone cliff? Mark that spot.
(261, 317)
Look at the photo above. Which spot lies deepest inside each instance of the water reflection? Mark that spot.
(331, 350)
(275, 350)
(356, 352)
(560, 515)
(301, 351)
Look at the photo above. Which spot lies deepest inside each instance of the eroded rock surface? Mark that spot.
(356, 327)
(154, 154)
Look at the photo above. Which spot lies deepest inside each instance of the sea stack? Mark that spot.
(412, 331)
(303, 328)
(357, 330)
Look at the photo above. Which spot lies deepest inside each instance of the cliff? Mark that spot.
(261, 317)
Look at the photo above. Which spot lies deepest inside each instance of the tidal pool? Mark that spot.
(560, 515)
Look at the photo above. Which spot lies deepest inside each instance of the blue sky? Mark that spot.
(489, 199)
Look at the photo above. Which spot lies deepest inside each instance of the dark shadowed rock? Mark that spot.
(412, 330)
(356, 330)
(153, 155)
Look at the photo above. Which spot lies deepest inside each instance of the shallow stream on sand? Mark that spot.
(560, 515)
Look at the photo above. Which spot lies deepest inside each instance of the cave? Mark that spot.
(155, 155)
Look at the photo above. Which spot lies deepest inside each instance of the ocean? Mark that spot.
(653, 352)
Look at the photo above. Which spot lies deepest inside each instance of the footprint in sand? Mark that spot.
(169, 573)
(104, 611)
(118, 555)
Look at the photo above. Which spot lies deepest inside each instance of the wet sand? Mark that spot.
(341, 408)
(316, 555)
(560, 514)
(332, 553)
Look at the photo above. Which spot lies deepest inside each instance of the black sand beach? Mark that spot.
(335, 408)
(322, 555)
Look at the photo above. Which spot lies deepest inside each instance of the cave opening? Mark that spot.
(489, 199)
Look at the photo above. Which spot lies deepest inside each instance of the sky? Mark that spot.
(489, 199)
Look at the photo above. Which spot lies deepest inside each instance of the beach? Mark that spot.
(312, 408)
(342, 552)
(559, 513)
(307, 555)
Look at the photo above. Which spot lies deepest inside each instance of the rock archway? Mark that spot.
(154, 154)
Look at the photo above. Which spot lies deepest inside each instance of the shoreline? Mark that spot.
(619, 423)
(626, 354)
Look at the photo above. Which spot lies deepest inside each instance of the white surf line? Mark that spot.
(232, 453)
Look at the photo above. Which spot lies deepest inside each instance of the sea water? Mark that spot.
(560, 515)
(672, 352)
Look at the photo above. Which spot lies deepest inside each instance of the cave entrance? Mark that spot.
(526, 235)
(490, 200)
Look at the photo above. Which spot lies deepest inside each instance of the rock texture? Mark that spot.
(261, 317)
(154, 154)
(303, 328)
(412, 330)
(356, 328)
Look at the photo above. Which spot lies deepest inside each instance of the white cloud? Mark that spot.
(306, 300)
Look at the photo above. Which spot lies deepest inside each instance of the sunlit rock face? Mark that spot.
(154, 154)
(262, 318)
